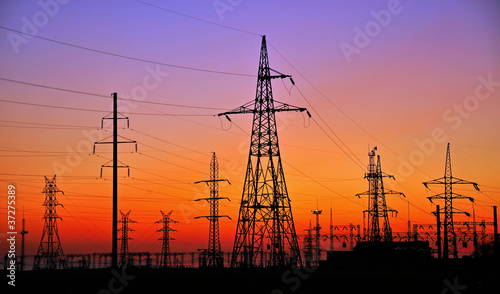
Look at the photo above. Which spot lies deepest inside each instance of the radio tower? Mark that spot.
(265, 220)
(377, 207)
(165, 248)
(214, 255)
(50, 249)
(124, 253)
(449, 236)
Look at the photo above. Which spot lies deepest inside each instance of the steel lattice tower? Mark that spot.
(165, 260)
(377, 206)
(449, 236)
(317, 231)
(23, 232)
(308, 246)
(124, 253)
(50, 252)
(214, 256)
(265, 220)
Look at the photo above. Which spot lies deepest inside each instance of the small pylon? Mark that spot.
(165, 260)
(377, 206)
(50, 252)
(23, 232)
(214, 256)
(124, 253)
(317, 231)
(449, 236)
(308, 246)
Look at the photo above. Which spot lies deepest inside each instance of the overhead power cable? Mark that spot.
(129, 57)
(108, 96)
(199, 19)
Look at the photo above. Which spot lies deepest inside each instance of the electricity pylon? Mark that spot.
(165, 260)
(265, 220)
(214, 256)
(377, 206)
(449, 236)
(124, 253)
(317, 231)
(50, 250)
(23, 232)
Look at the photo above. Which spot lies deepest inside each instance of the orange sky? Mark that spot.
(429, 77)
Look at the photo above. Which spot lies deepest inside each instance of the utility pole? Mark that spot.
(165, 260)
(265, 218)
(377, 207)
(124, 253)
(214, 257)
(449, 236)
(115, 166)
(50, 249)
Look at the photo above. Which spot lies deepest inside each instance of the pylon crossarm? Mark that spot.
(280, 106)
(245, 108)
(460, 181)
(394, 192)
(439, 181)
(459, 196)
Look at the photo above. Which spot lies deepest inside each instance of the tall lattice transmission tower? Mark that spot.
(214, 256)
(377, 207)
(265, 221)
(449, 236)
(124, 252)
(50, 254)
(165, 260)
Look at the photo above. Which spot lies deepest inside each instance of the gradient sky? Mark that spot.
(425, 74)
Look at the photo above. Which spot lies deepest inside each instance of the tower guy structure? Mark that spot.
(214, 256)
(377, 207)
(50, 253)
(449, 236)
(165, 260)
(124, 252)
(265, 221)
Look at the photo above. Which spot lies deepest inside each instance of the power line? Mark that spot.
(109, 97)
(128, 57)
(199, 19)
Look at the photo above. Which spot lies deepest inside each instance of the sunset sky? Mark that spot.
(405, 76)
